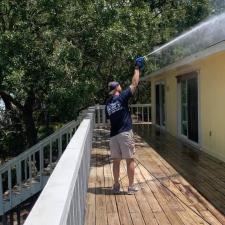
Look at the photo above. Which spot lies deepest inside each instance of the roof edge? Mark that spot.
(219, 47)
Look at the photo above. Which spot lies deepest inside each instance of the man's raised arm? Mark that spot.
(139, 66)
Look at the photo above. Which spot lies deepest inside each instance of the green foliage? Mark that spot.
(57, 57)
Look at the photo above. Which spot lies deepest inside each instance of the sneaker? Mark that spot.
(132, 189)
(116, 188)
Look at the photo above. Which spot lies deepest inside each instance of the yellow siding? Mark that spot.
(212, 102)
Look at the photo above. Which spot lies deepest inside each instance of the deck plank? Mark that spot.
(145, 209)
(133, 206)
(111, 205)
(101, 215)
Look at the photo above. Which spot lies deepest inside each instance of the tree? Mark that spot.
(57, 57)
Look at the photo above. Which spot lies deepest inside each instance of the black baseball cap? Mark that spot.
(112, 85)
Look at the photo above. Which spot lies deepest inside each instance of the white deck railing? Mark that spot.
(62, 202)
(141, 113)
(26, 175)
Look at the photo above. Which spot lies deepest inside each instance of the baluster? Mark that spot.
(148, 108)
(50, 152)
(10, 184)
(103, 116)
(142, 113)
(30, 168)
(34, 165)
(99, 115)
(25, 168)
(67, 138)
(71, 133)
(60, 145)
(137, 114)
(1, 195)
(18, 175)
(41, 164)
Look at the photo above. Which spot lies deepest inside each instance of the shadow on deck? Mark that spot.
(165, 197)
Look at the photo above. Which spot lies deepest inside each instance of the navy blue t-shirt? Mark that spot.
(117, 111)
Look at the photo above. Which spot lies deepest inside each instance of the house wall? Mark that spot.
(211, 72)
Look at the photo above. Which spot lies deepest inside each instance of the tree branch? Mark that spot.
(9, 100)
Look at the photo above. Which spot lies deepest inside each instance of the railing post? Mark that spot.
(93, 111)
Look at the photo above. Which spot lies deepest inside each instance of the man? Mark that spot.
(121, 135)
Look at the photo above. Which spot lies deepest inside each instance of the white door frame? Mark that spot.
(180, 135)
(162, 82)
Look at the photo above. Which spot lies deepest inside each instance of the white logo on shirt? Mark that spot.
(114, 107)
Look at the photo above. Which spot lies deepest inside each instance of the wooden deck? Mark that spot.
(165, 197)
(204, 172)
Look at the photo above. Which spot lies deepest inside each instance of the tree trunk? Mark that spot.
(30, 129)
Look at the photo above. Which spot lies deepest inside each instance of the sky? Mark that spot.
(2, 106)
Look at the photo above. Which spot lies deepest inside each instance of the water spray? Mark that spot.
(202, 36)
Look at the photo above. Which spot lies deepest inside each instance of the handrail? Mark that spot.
(42, 142)
(62, 202)
(27, 174)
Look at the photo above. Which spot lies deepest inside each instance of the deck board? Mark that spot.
(165, 196)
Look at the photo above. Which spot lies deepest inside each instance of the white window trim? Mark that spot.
(165, 111)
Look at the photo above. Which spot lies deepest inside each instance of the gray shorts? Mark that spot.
(122, 145)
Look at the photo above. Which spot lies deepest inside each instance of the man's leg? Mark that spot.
(130, 171)
(116, 171)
